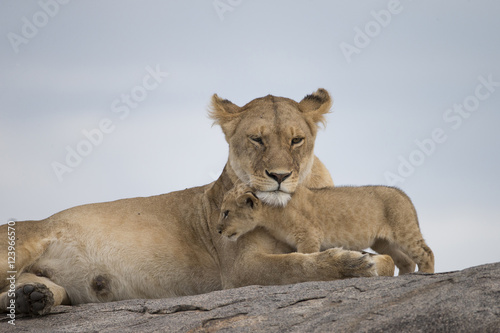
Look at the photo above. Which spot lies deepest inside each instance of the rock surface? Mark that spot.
(463, 301)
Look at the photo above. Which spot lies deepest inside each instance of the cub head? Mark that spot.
(239, 212)
(271, 141)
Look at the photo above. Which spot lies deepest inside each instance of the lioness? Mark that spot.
(355, 218)
(168, 245)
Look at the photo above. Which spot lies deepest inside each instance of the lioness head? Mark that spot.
(239, 212)
(271, 141)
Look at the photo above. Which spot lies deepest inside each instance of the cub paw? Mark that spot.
(34, 299)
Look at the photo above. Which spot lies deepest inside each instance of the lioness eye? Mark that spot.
(257, 139)
(297, 140)
(225, 214)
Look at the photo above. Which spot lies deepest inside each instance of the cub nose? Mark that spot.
(278, 177)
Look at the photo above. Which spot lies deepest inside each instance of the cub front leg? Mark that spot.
(307, 235)
(308, 247)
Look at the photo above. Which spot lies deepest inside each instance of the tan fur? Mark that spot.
(261, 144)
(168, 245)
(351, 217)
(384, 264)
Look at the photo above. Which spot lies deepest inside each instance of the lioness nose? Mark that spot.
(279, 177)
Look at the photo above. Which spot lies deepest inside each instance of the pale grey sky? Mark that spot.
(125, 86)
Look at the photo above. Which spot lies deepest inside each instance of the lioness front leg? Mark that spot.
(277, 269)
(264, 261)
(34, 295)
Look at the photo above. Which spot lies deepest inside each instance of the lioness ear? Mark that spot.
(225, 114)
(248, 199)
(316, 105)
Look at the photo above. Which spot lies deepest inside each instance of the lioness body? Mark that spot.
(168, 245)
(354, 218)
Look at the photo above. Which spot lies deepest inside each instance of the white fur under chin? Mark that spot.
(275, 198)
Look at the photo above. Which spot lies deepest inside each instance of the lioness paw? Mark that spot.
(34, 299)
(354, 263)
(384, 264)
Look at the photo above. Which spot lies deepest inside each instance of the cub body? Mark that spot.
(354, 218)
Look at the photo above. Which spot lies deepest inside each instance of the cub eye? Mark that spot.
(257, 139)
(225, 214)
(296, 141)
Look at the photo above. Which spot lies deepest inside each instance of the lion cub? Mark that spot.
(354, 218)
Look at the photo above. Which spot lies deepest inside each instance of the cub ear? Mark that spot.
(225, 114)
(248, 199)
(316, 105)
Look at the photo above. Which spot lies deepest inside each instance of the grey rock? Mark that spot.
(462, 301)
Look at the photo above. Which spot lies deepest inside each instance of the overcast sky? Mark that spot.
(102, 100)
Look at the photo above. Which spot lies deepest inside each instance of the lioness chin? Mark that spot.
(168, 245)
